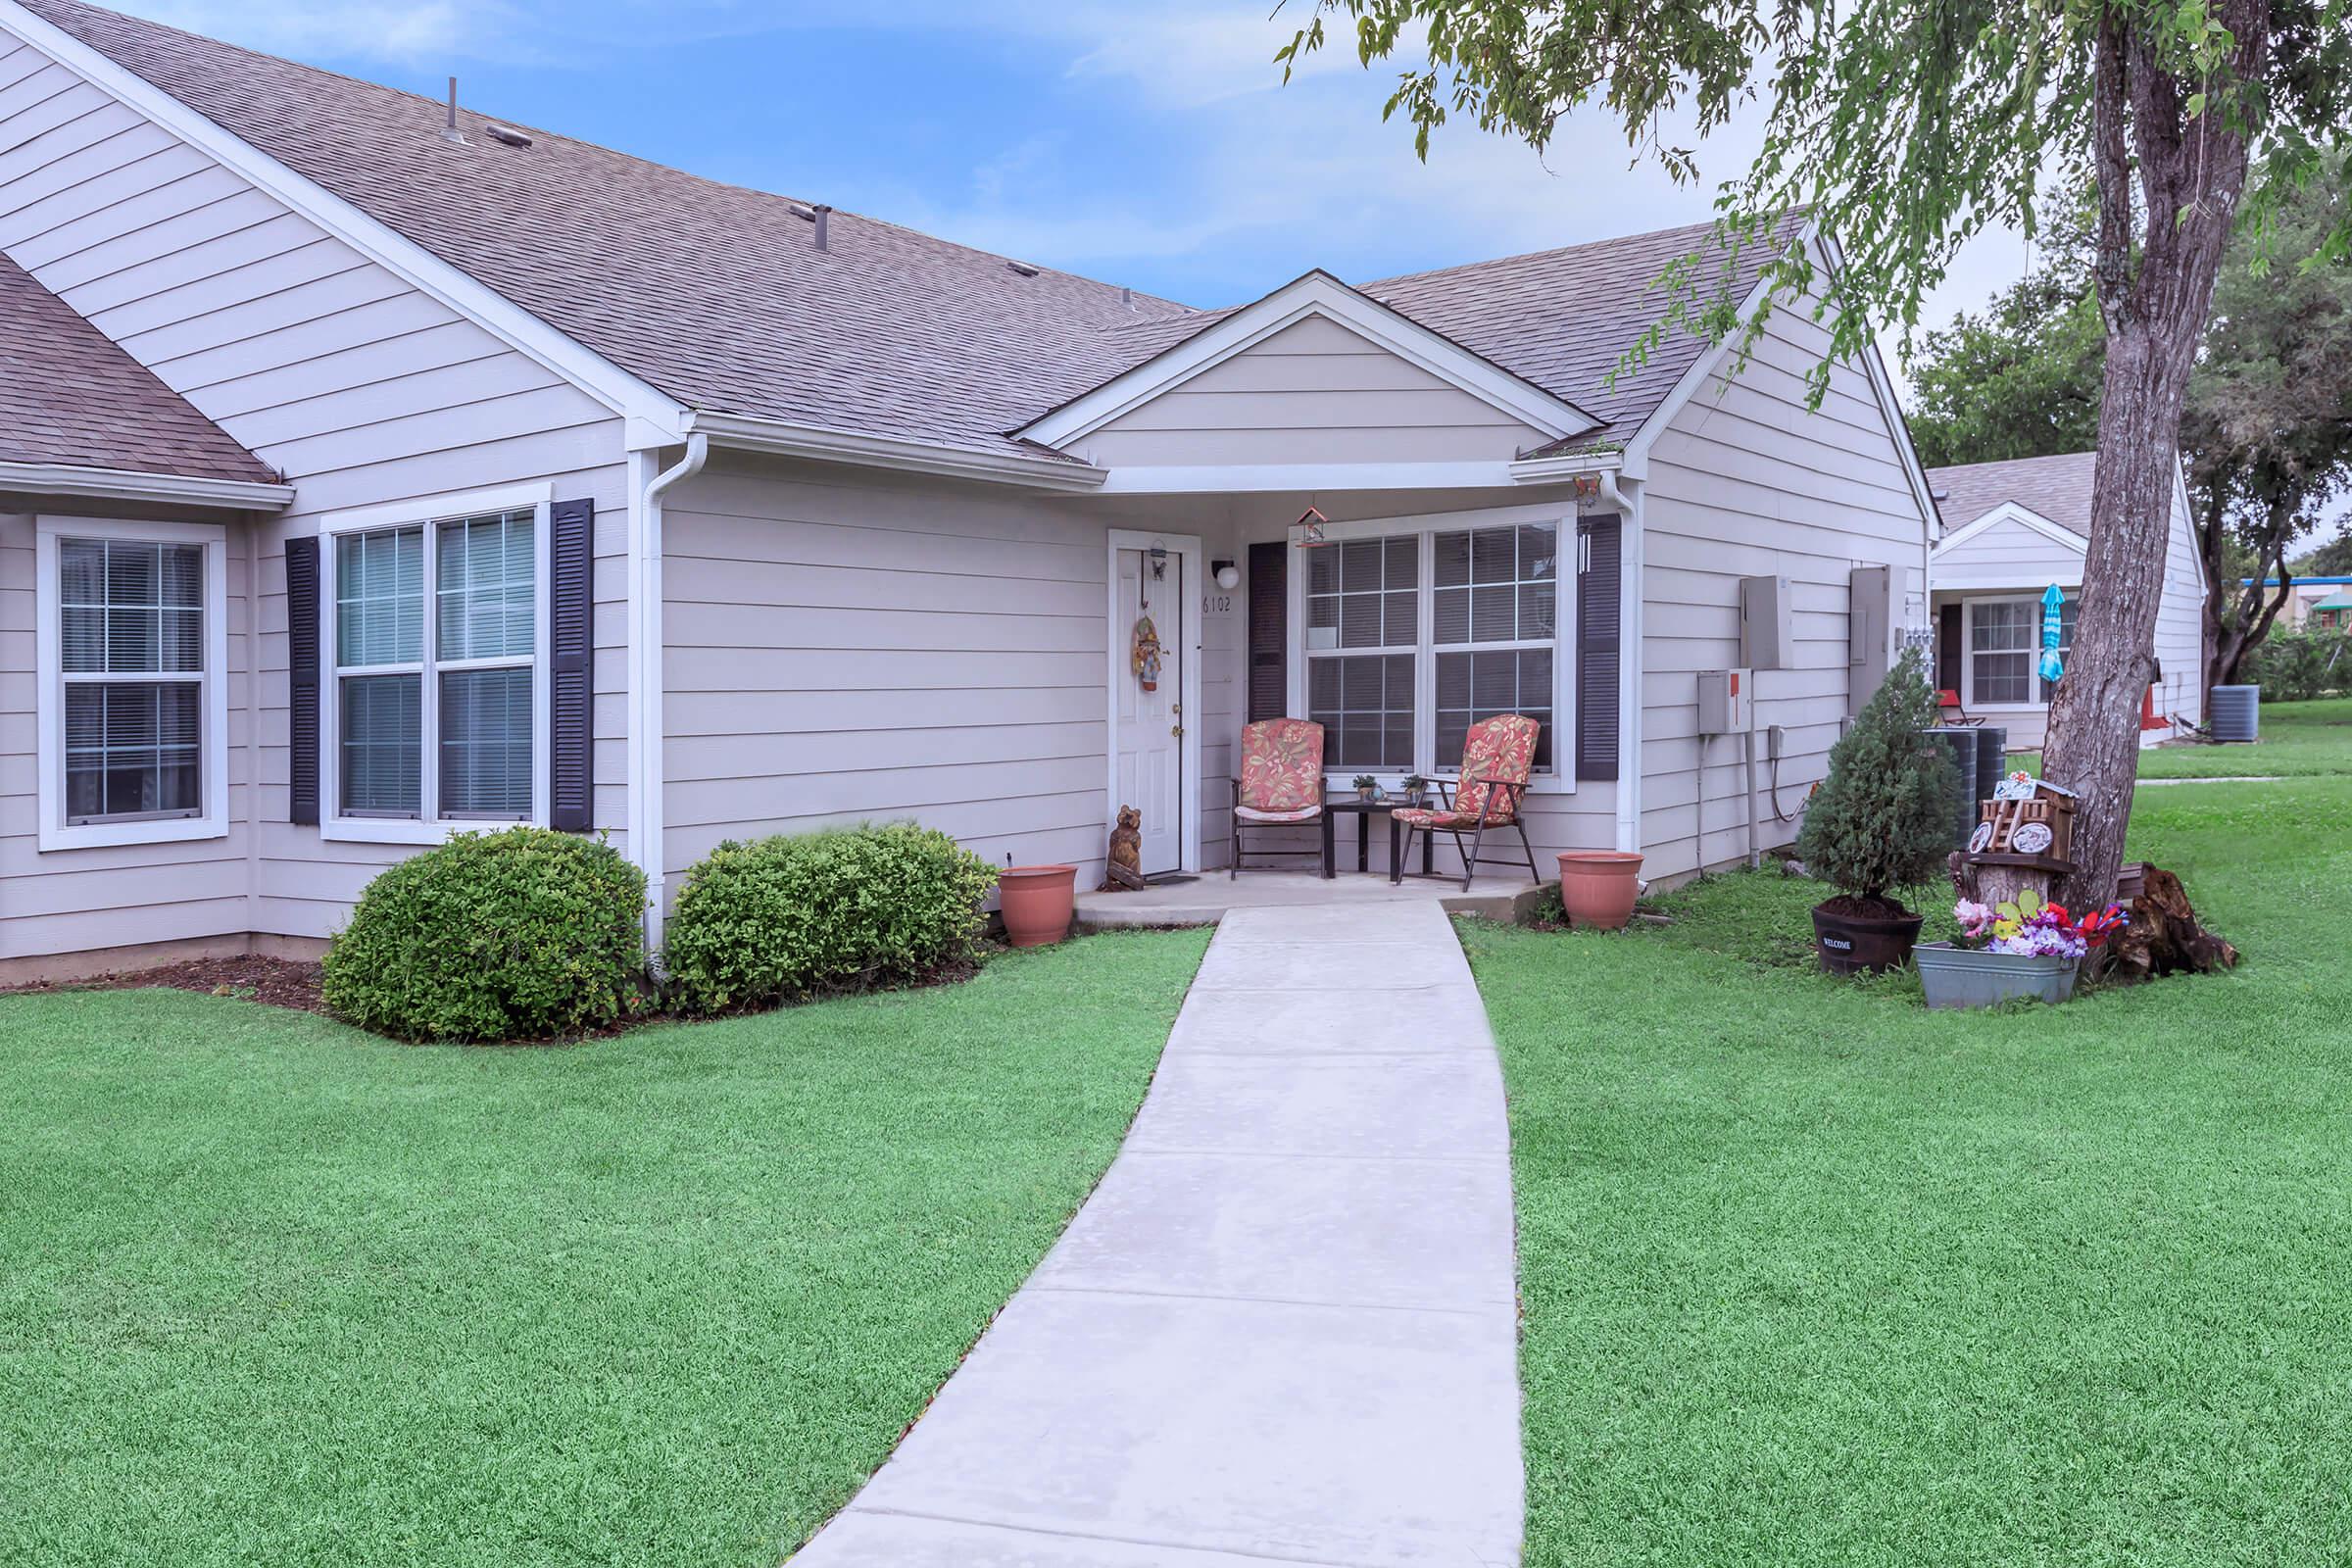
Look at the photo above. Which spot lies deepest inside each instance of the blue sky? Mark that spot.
(1150, 145)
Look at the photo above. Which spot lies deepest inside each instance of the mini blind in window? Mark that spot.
(131, 608)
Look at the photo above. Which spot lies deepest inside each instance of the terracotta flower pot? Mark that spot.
(1598, 887)
(1036, 903)
(1857, 943)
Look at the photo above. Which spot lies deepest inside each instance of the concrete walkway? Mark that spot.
(1284, 1329)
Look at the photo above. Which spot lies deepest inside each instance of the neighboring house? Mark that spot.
(375, 480)
(2307, 599)
(2010, 531)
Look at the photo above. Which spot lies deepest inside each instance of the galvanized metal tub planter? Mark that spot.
(1976, 977)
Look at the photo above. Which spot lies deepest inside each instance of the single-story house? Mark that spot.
(2011, 531)
(377, 469)
(2334, 613)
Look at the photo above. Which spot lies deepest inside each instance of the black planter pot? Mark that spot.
(1854, 943)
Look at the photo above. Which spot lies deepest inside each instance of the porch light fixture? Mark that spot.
(1228, 575)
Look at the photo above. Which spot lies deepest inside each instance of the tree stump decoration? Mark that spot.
(2164, 936)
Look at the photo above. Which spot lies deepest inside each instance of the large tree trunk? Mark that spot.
(2190, 173)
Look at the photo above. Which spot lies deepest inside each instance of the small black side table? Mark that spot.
(1365, 811)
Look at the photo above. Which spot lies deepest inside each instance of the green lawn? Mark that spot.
(1812, 1276)
(2299, 740)
(278, 1293)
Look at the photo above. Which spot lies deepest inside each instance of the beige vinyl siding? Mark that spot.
(2008, 555)
(1313, 392)
(67, 901)
(1747, 480)
(362, 389)
(842, 648)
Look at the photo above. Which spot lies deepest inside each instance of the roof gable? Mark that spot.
(2055, 489)
(1317, 296)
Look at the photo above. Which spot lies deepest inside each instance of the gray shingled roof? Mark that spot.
(68, 395)
(713, 294)
(2057, 488)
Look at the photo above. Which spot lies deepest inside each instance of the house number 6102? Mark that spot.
(1216, 603)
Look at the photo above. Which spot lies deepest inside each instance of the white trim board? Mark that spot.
(49, 703)
(1189, 548)
(1316, 294)
(413, 264)
(2012, 512)
(124, 484)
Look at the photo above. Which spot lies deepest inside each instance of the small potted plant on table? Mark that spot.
(1416, 789)
(1880, 821)
(2030, 949)
(1367, 788)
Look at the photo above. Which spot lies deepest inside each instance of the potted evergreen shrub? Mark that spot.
(1879, 822)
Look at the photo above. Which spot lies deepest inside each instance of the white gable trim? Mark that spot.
(1318, 293)
(2011, 512)
(122, 485)
(404, 258)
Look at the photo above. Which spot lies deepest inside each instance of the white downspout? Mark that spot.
(646, 765)
(1624, 492)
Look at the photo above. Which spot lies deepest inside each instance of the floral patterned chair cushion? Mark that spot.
(1282, 770)
(1502, 748)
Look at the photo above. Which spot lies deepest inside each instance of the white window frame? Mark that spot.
(56, 833)
(1968, 652)
(427, 512)
(1561, 779)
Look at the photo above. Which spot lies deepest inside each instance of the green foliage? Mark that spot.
(2020, 380)
(846, 909)
(2297, 666)
(1882, 820)
(2333, 559)
(516, 935)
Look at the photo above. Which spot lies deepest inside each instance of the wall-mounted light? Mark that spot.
(1228, 575)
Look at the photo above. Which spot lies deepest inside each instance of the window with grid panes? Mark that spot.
(436, 635)
(130, 656)
(1362, 624)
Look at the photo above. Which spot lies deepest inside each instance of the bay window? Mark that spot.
(1413, 634)
(132, 686)
(438, 683)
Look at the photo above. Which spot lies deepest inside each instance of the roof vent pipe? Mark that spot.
(823, 213)
(1126, 296)
(449, 130)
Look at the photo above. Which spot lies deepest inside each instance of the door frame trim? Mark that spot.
(1187, 548)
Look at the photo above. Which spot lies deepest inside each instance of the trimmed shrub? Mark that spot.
(1883, 819)
(516, 935)
(846, 909)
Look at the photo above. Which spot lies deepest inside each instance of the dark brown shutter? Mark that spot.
(302, 680)
(1269, 631)
(570, 638)
(1596, 646)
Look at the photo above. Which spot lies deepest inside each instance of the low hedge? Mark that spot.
(515, 935)
(781, 918)
(2295, 666)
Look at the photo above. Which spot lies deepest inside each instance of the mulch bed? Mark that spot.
(278, 982)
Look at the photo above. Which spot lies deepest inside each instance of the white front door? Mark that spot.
(1149, 743)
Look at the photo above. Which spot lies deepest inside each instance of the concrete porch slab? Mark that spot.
(1496, 894)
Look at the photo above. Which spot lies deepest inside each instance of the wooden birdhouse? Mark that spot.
(2032, 823)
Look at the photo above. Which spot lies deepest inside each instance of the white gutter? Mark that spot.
(123, 484)
(744, 433)
(1625, 494)
(647, 486)
(1567, 465)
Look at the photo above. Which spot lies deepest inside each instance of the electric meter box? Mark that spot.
(1722, 701)
(1767, 624)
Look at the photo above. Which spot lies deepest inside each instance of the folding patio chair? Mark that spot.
(1498, 755)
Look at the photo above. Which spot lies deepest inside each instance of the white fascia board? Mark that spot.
(404, 258)
(743, 433)
(1318, 293)
(2025, 518)
(1567, 465)
(1180, 479)
(167, 489)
